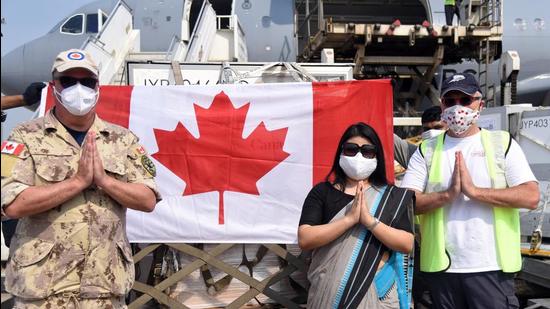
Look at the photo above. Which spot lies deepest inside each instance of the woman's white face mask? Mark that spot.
(77, 99)
(358, 167)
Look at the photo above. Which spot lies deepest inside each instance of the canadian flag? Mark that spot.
(235, 162)
(13, 148)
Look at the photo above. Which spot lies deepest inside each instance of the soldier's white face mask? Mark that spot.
(459, 118)
(78, 99)
(358, 167)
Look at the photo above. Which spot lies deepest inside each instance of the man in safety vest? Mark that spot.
(451, 8)
(469, 184)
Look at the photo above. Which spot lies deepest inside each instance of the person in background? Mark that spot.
(70, 179)
(452, 7)
(30, 97)
(469, 184)
(359, 228)
(431, 126)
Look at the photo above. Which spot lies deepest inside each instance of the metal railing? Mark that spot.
(110, 46)
(176, 49)
(484, 12)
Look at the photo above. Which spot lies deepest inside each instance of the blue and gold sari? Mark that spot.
(342, 273)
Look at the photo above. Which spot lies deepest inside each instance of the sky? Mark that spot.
(23, 21)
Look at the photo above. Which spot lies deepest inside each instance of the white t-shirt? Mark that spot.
(470, 239)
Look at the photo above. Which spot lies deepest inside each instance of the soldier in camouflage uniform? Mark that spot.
(70, 176)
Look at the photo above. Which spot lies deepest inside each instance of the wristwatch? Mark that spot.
(373, 225)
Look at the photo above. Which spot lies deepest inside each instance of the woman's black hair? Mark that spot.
(378, 177)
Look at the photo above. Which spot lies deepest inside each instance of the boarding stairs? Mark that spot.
(214, 38)
(118, 43)
(110, 46)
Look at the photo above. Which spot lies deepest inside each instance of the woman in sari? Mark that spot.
(359, 229)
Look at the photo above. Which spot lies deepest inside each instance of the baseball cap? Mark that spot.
(74, 58)
(464, 82)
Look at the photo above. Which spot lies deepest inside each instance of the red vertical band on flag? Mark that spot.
(338, 105)
(113, 105)
(50, 100)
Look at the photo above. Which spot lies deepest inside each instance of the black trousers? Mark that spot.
(450, 11)
(420, 289)
(483, 290)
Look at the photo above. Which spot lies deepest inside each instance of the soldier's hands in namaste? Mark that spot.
(85, 173)
(100, 177)
(90, 166)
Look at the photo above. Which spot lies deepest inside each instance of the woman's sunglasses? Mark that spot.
(464, 101)
(69, 81)
(351, 149)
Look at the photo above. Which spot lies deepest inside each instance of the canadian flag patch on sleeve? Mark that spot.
(13, 148)
(140, 150)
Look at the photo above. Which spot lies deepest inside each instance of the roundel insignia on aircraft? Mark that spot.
(75, 56)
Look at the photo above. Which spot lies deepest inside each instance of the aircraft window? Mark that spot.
(266, 21)
(520, 24)
(73, 25)
(539, 24)
(91, 23)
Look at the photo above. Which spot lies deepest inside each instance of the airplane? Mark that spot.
(159, 22)
(269, 30)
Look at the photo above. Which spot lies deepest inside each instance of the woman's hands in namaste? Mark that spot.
(359, 212)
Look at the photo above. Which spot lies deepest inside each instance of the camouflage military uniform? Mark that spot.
(68, 301)
(78, 250)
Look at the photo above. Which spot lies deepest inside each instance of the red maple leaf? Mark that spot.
(220, 159)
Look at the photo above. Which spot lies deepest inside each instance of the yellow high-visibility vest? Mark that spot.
(433, 256)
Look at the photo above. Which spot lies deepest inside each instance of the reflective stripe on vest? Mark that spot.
(433, 257)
